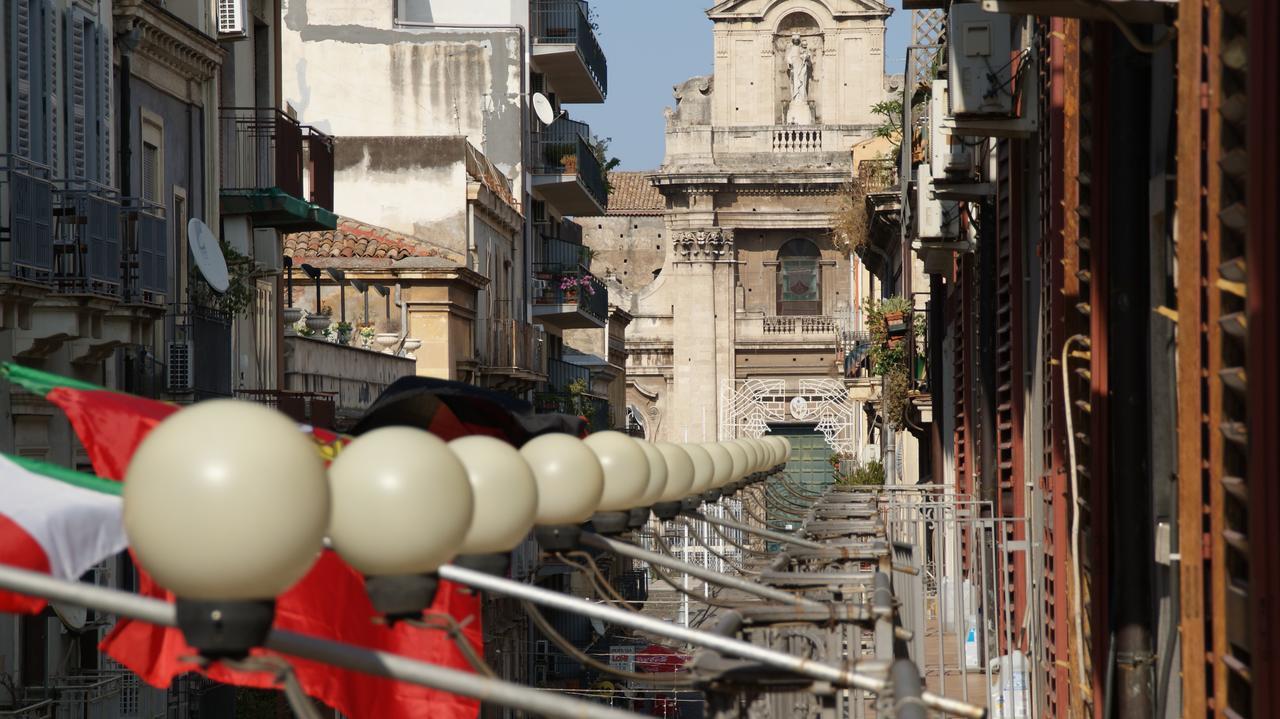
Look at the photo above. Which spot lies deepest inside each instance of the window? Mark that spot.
(799, 279)
(152, 158)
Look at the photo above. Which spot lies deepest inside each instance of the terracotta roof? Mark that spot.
(633, 194)
(355, 239)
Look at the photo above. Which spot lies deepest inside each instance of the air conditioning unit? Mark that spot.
(936, 220)
(949, 156)
(980, 61)
(180, 369)
(233, 19)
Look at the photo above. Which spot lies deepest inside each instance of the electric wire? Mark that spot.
(709, 599)
(682, 678)
(697, 537)
(1075, 509)
(451, 628)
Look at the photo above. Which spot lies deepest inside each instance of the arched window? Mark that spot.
(799, 279)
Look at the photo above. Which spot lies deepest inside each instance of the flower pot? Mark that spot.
(319, 323)
(343, 336)
(291, 316)
(411, 345)
(386, 340)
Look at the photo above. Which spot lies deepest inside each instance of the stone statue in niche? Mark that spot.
(799, 70)
(693, 102)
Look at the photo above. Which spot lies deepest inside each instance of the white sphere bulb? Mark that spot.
(781, 444)
(753, 455)
(402, 503)
(657, 474)
(679, 472)
(570, 478)
(704, 470)
(723, 463)
(226, 500)
(739, 456)
(762, 456)
(776, 443)
(626, 470)
(506, 494)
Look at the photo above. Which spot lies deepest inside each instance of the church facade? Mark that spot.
(747, 322)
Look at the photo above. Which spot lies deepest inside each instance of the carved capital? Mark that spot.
(710, 244)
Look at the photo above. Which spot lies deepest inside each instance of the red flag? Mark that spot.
(330, 602)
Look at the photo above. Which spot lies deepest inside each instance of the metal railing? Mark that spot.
(561, 374)
(568, 22)
(573, 287)
(595, 409)
(877, 175)
(562, 148)
(263, 148)
(86, 247)
(560, 255)
(144, 230)
(39, 710)
(804, 324)
(26, 199)
(516, 344)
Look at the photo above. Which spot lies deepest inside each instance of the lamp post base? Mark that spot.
(690, 504)
(666, 510)
(558, 537)
(225, 629)
(495, 565)
(610, 524)
(637, 517)
(402, 597)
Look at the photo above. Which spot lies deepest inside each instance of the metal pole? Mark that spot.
(706, 640)
(633, 552)
(765, 533)
(907, 701)
(346, 656)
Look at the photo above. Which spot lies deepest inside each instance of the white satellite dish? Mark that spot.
(74, 617)
(208, 255)
(543, 109)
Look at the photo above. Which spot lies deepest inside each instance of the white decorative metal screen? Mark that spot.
(748, 407)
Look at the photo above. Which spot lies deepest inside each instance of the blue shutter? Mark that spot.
(76, 71)
(51, 84)
(103, 113)
(21, 69)
(152, 254)
(104, 239)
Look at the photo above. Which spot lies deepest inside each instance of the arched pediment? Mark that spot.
(823, 10)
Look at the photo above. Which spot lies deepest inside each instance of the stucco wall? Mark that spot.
(628, 248)
(414, 185)
(412, 80)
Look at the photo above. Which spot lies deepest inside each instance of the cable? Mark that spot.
(682, 678)
(1128, 32)
(597, 577)
(709, 599)
(755, 552)
(1077, 593)
(449, 625)
(697, 537)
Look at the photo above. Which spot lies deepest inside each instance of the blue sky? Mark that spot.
(654, 44)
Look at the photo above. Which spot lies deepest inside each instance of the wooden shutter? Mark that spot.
(50, 84)
(151, 254)
(21, 59)
(103, 101)
(77, 162)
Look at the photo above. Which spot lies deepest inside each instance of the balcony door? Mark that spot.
(799, 278)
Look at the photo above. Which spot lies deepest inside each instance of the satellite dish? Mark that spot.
(74, 617)
(208, 255)
(542, 108)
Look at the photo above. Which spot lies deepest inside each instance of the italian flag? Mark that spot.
(329, 602)
(56, 521)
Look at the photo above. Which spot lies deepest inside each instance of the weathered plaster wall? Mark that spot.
(415, 185)
(627, 248)
(413, 80)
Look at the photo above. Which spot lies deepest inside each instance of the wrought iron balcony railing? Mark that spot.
(86, 247)
(568, 22)
(877, 175)
(563, 148)
(27, 196)
(514, 344)
(263, 148)
(572, 286)
(144, 231)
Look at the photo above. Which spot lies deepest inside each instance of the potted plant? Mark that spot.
(366, 335)
(569, 286)
(343, 333)
(319, 321)
(291, 316)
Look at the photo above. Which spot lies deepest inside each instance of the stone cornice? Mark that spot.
(169, 42)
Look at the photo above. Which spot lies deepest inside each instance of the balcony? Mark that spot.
(819, 331)
(515, 358)
(569, 297)
(566, 50)
(566, 173)
(318, 409)
(568, 392)
(86, 240)
(199, 355)
(276, 170)
(352, 375)
(26, 198)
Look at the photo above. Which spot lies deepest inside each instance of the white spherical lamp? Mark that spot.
(570, 485)
(657, 474)
(226, 505)
(704, 470)
(753, 455)
(722, 462)
(626, 470)
(506, 494)
(679, 479)
(739, 456)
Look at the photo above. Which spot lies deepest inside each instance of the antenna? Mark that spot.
(208, 255)
(543, 109)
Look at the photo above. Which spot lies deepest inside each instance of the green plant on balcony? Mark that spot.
(890, 338)
(864, 474)
(240, 290)
(582, 405)
(600, 148)
(851, 225)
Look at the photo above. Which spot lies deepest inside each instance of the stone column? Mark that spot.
(703, 331)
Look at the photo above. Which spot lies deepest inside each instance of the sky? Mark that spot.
(652, 45)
